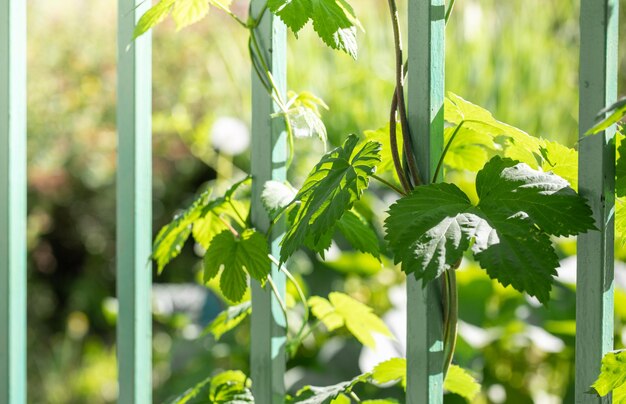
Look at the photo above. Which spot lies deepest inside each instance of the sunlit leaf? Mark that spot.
(229, 319)
(612, 376)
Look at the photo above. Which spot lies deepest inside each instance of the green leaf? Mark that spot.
(172, 237)
(620, 219)
(560, 160)
(187, 12)
(333, 20)
(304, 115)
(381, 136)
(382, 401)
(391, 370)
(616, 113)
(229, 319)
(612, 376)
(459, 381)
(192, 392)
(230, 387)
(331, 188)
(236, 257)
(153, 16)
(359, 233)
(326, 394)
(342, 310)
(519, 208)
(620, 168)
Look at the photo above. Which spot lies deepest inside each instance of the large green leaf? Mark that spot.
(342, 310)
(237, 257)
(612, 376)
(331, 189)
(519, 208)
(333, 20)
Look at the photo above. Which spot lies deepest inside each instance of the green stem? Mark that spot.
(279, 299)
(449, 11)
(355, 397)
(451, 315)
(388, 184)
(445, 151)
(401, 106)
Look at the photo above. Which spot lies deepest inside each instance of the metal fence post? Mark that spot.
(269, 157)
(12, 201)
(425, 113)
(134, 207)
(594, 286)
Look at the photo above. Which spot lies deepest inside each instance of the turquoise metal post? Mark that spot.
(134, 207)
(596, 160)
(269, 155)
(425, 113)
(12, 201)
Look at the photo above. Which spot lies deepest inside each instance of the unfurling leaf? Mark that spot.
(331, 189)
(229, 319)
(429, 230)
(237, 257)
(333, 20)
(457, 381)
(342, 310)
(612, 376)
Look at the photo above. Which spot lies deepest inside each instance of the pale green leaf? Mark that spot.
(382, 136)
(325, 312)
(153, 16)
(560, 160)
(615, 113)
(187, 12)
(359, 319)
(459, 381)
(392, 370)
(230, 387)
(229, 319)
(331, 189)
(237, 257)
(612, 376)
(620, 220)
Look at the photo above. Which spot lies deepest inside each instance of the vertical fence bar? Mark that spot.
(594, 290)
(12, 201)
(425, 113)
(134, 206)
(269, 155)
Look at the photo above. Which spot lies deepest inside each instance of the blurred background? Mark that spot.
(518, 58)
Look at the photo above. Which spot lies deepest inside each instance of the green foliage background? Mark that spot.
(517, 58)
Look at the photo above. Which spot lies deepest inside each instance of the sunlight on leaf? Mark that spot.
(229, 319)
(612, 376)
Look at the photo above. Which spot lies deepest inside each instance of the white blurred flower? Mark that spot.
(230, 136)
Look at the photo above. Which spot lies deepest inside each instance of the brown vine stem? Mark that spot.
(399, 95)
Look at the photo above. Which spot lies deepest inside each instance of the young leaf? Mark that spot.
(612, 376)
(229, 319)
(391, 370)
(459, 381)
(359, 233)
(616, 113)
(304, 115)
(237, 256)
(153, 16)
(357, 317)
(519, 208)
(230, 387)
(187, 12)
(331, 188)
(333, 20)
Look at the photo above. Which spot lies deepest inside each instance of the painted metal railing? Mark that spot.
(598, 78)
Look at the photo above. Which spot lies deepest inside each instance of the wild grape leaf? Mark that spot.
(508, 187)
(612, 376)
(331, 188)
(237, 257)
(343, 310)
(333, 20)
(519, 209)
(359, 233)
(229, 319)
